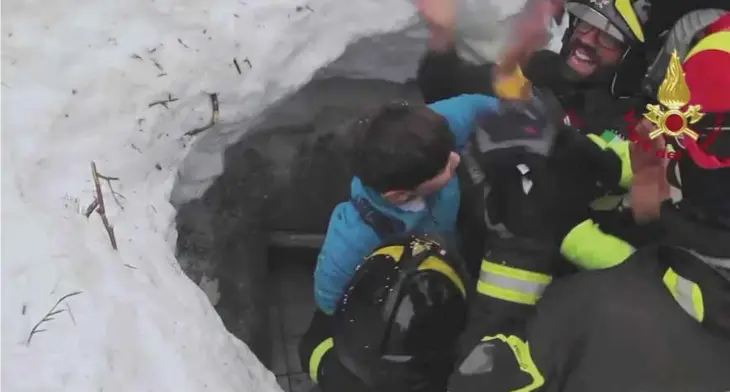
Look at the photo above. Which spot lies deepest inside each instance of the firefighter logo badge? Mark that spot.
(673, 95)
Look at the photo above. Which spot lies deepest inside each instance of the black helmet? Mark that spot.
(397, 325)
(624, 20)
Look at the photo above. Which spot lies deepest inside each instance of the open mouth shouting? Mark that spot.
(583, 59)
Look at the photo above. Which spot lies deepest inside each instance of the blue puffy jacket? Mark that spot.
(350, 239)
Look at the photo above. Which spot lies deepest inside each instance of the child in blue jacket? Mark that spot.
(404, 161)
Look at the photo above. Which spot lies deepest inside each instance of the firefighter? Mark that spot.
(396, 328)
(531, 202)
(535, 208)
(660, 319)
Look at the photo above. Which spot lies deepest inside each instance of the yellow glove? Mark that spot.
(513, 85)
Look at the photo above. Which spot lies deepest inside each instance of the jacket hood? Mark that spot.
(411, 219)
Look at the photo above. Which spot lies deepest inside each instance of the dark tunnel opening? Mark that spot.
(251, 241)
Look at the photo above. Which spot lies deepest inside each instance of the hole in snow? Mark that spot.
(250, 242)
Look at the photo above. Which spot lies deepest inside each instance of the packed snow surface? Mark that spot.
(79, 79)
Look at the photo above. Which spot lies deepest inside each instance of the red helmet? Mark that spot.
(707, 72)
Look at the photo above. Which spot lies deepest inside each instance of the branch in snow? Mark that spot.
(70, 313)
(90, 209)
(213, 119)
(163, 102)
(158, 65)
(111, 188)
(49, 316)
(100, 208)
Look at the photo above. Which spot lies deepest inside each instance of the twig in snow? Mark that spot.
(70, 313)
(130, 266)
(108, 178)
(214, 117)
(136, 56)
(248, 63)
(164, 103)
(182, 43)
(158, 65)
(111, 188)
(91, 208)
(100, 209)
(49, 316)
(238, 68)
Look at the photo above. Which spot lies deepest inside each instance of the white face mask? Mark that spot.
(417, 204)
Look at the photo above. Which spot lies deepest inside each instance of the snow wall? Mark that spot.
(118, 84)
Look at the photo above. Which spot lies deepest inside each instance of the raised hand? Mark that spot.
(441, 18)
(649, 187)
(530, 33)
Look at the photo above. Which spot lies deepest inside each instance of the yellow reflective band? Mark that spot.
(395, 251)
(598, 140)
(317, 355)
(687, 294)
(717, 41)
(521, 351)
(625, 8)
(621, 149)
(511, 284)
(589, 248)
(434, 264)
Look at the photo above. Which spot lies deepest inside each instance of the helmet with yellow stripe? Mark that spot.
(704, 171)
(397, 325)
(622, 19)
(701, 41)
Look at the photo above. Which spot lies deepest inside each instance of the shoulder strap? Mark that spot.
(383, 225)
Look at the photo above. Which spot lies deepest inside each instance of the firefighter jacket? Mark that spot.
(658, 321)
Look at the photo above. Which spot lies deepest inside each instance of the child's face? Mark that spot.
(429, 187)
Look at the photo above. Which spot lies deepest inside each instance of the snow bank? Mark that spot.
(78, 79)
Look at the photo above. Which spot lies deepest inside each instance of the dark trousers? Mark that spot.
(318, 359)
(470, 222)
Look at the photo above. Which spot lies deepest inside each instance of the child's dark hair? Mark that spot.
(400, 147)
